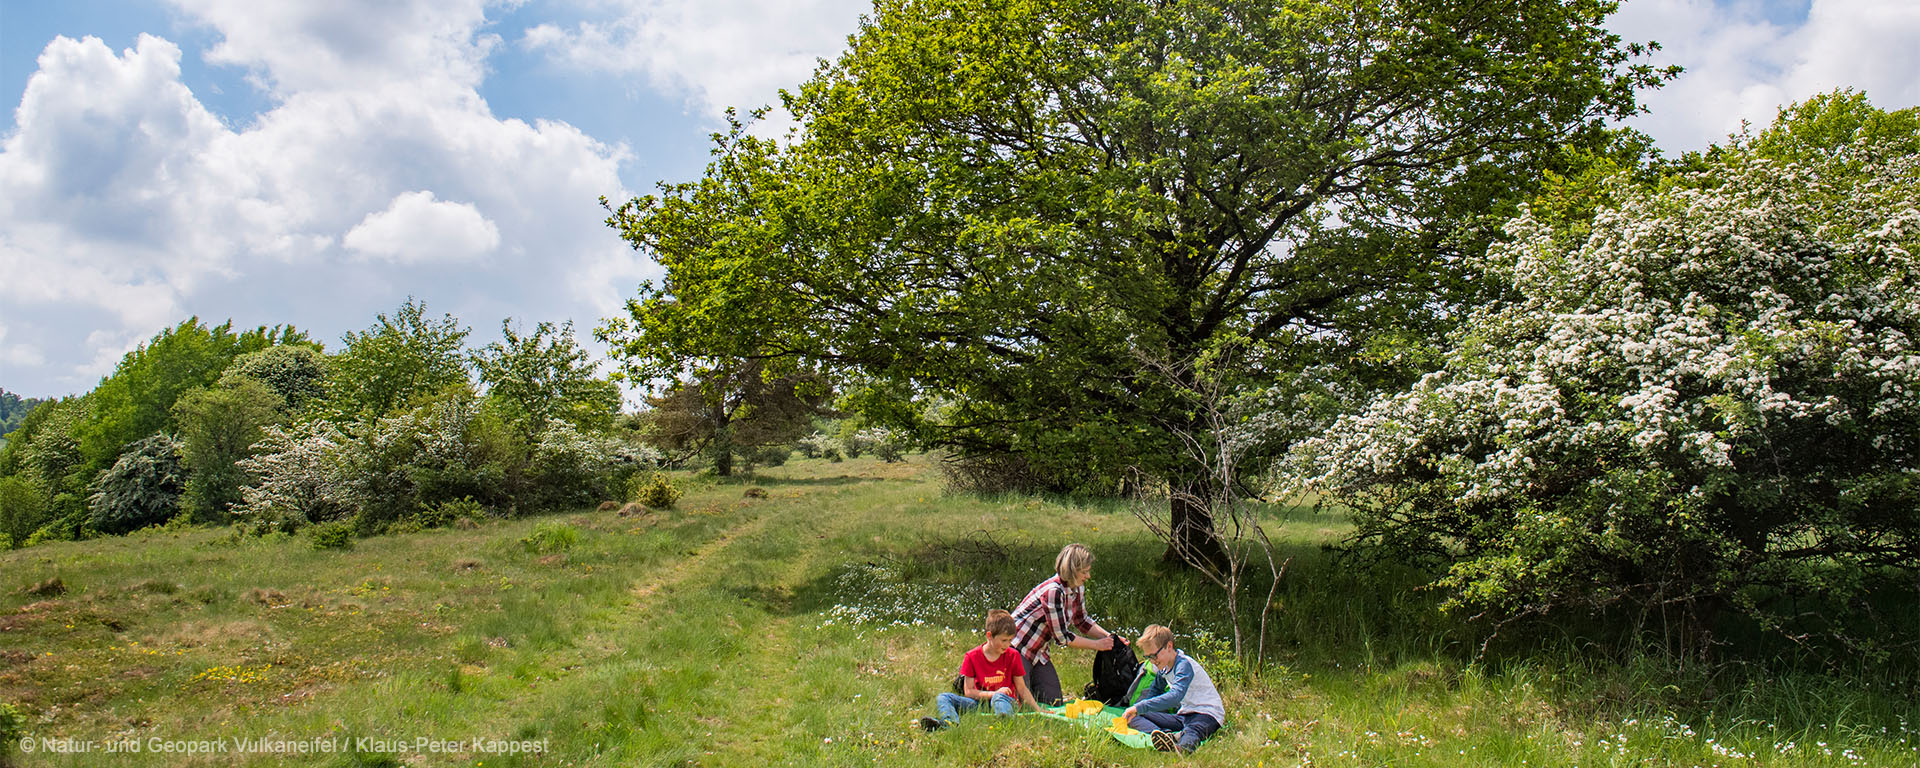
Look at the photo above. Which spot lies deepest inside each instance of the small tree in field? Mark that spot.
(1710, 401)
(730, 410)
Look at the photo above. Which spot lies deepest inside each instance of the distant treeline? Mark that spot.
(14, 408)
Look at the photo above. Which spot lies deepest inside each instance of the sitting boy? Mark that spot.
(1182, 707)
(991, 673)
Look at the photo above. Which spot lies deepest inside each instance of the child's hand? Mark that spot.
(1005, 691)
(1128, 715)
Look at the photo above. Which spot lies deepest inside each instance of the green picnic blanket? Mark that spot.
(1100, 721)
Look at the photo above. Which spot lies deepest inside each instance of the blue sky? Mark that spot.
(315, 163)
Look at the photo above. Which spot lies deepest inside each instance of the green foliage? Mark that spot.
(1822, 129)
(295, 372)
(446, 512)
(450, 450)
(551, 537)
(1698, 414)
(335, 535)
(765, 456)
(655, 491)
(71, 526)
(46, 450)
(1102, 183)
(13, 726)
(142, 488)
(731, 411)
(13, 410)
(1215, 653)
(545, 376)
(395, 364)
(218, 428)
(138, 399)
(23, 507)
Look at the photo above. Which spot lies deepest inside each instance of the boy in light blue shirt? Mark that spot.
(1181, 708)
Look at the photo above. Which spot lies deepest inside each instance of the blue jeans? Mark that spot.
(1193, 727)
(951, 705)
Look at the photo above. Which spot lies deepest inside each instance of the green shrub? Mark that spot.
(142, 488)
(765, 456)
(656, 491)
(1213, 652)
(23, 509)
(443, 514)
(551, 537)
(887, 445)
(335, 535)
(68, 527)
(13, 726)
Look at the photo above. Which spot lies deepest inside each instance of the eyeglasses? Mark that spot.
(1155, 653)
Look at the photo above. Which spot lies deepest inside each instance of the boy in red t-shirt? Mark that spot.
(992, 673)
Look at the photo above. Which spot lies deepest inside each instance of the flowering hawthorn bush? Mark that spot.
(301, 478)
(1710, 399)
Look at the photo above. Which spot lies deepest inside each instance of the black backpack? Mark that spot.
(1113, 674)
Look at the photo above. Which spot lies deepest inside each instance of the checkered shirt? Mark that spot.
(1049, 613)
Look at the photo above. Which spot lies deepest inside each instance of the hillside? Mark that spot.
(806, 628)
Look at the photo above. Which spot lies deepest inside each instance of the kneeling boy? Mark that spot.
(992, 673)
(1182, 707)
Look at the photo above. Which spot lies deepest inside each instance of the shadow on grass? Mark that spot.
(1354, 625)
(769, 480)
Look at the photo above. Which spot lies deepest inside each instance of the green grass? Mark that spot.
(810, 627)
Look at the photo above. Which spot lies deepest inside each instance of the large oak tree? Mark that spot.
(1016, 204)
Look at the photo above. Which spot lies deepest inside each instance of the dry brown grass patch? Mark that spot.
(215, 634)
(267, 598)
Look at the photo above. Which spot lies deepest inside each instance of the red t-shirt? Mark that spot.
(990, 676)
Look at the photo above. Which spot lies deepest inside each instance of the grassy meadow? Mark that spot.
(809, 626)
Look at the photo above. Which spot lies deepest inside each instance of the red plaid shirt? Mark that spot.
(1049, 613)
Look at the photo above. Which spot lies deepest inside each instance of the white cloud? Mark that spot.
(718, 53)
(1743, 67)
(418, 228)
(1873, 45)
(294, 47)
(126, 206)
(19, 354)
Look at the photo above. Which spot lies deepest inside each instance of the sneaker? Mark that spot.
(1165, 742)
(930, 725)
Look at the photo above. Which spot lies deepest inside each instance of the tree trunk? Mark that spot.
(722, 446)
(1191, 522)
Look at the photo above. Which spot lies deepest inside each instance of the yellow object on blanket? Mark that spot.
(1082, 708)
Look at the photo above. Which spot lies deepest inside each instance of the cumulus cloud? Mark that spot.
(299, 47)
(418, 228)
(126, 206)
(1744, 66)
(718, 53)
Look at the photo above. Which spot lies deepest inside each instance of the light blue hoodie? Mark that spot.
(1184, 689)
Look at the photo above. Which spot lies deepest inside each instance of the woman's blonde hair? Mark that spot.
(1072, 558)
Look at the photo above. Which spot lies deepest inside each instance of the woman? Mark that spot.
(1051, 613)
